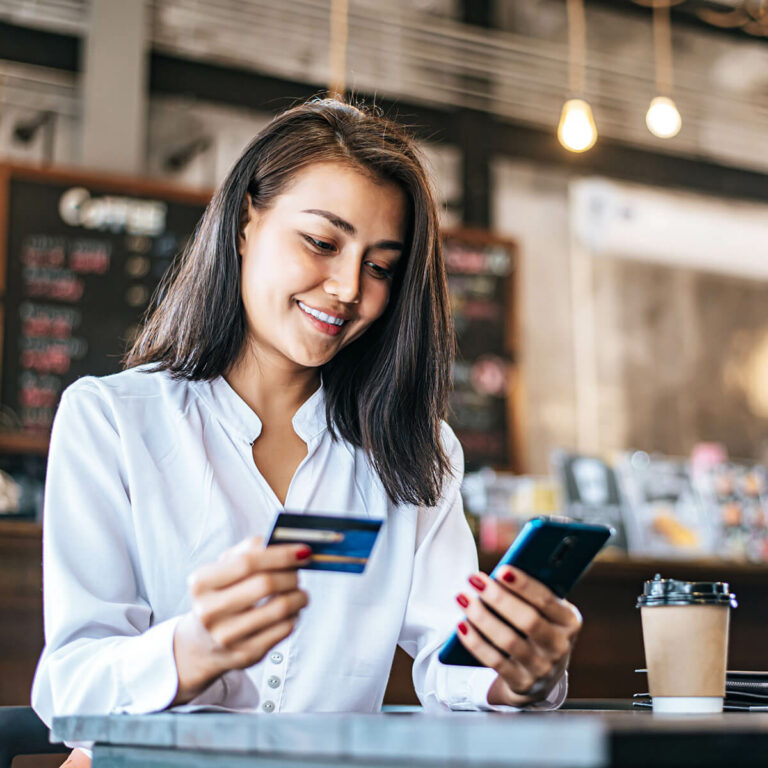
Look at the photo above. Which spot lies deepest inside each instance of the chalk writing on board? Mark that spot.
(479, 274)
(82, 263)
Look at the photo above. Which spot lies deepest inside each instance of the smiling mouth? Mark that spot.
(321, 316)
(327, 324)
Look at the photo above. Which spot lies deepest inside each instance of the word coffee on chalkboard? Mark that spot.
(480, 273)
(116, 214)
(83, 257)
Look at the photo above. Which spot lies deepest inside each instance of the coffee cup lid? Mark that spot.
(673, 592)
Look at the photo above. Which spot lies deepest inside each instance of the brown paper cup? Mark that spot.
(686, 649)
(685, 634)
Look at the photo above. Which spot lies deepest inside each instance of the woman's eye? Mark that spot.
(380, 273)
(321, 245)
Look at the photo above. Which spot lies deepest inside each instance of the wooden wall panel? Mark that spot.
(21, 637)
(682, 357)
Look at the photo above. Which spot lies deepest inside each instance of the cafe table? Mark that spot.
(586, 735)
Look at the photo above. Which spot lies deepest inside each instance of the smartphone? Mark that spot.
(555, 552)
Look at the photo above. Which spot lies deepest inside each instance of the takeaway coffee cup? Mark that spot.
(685, 633)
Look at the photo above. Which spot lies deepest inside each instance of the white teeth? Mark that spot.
(321, 315)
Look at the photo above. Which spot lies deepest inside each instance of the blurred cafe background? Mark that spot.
(602, 168)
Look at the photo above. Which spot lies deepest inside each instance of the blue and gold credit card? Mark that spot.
(338, 543)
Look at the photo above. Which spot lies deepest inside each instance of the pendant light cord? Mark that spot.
(577, 40)
(662, 44)
(337, 57)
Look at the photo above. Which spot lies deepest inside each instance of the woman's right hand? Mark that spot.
(242, 605)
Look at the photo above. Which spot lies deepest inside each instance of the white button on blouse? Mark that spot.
(150, 477)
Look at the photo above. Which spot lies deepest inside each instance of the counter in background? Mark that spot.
(21, 608)
(609, 649)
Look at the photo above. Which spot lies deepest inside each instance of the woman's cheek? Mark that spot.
(384, 289)
(300, 271)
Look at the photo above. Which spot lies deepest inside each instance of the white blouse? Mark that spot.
(151, 477)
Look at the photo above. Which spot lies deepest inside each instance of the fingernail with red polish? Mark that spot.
(462, 600)
(463, 628)
(477, 583)
(508, 576)
(304, 553)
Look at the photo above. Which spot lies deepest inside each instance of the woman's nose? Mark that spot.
(343, 282)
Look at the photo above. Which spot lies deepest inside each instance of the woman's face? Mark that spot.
(317, 266)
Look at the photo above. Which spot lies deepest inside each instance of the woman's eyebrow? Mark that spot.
(345, 226)
(337, 221)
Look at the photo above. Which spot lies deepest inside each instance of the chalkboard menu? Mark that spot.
(481, 278)
(82, 257)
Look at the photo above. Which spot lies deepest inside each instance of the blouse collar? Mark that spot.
(308, 421)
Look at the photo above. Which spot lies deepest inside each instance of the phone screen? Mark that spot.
(554, 552)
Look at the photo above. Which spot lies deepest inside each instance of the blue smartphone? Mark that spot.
(555, 552)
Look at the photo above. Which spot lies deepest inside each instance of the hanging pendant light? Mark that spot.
(663, 118)
(576, 130)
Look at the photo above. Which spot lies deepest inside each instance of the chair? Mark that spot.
(22, 732)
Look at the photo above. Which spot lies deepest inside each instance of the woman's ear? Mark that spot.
(246, 211)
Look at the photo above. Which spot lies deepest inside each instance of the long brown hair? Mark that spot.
(386, 392)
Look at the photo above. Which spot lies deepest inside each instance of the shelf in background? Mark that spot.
(24, 443)
(22, 528)
(646, 567)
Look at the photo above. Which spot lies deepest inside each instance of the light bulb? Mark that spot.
(576, 130)
(663, 119)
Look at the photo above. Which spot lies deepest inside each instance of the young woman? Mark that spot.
(298, 358)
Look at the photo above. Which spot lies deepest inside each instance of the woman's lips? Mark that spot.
(327, 328)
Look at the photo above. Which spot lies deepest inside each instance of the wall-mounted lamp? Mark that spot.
(181, 157)
(24, 131)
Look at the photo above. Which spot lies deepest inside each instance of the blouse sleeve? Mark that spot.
(103, 652)
(445, 557)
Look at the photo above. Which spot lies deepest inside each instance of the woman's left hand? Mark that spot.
(531, 660)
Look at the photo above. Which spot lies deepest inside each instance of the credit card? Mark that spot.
(338, 543)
